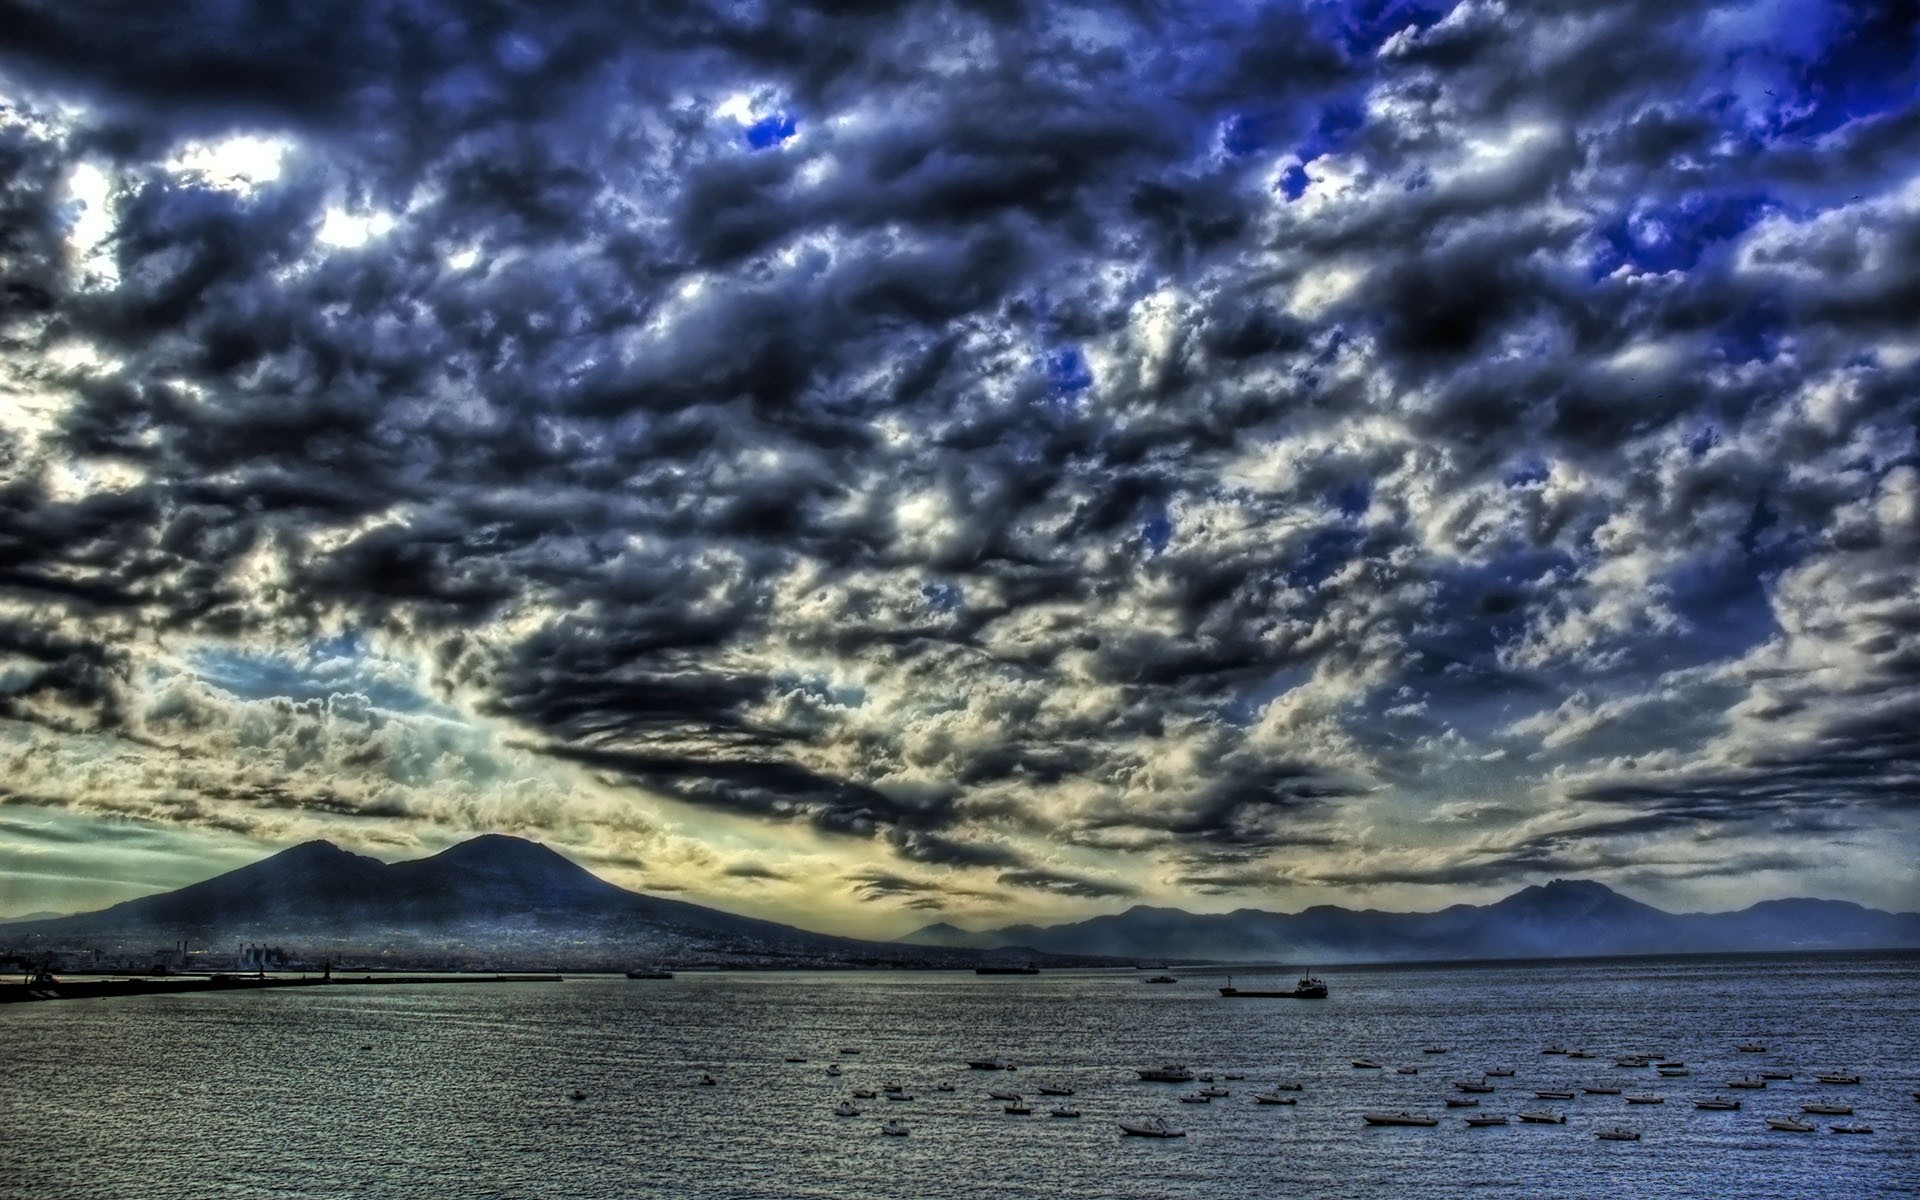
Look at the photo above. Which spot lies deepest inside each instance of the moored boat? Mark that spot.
(1463, 1102)
(1368, 1064)
(649, 973)
(1789, 1125)
(1837, 1077)
(1749, 1082)
(1543, 1117)
(1552, 1094)
(894, 1128)
(1196, 1098)
(1617, 1134)
(1647, 1098)
(1400, 1117)
(1601, 1089)
(1055, 1089)
(1151, 1127)
(1853, 1128)
(1009, 1097)
(989, 1064)
(1485, 1121)
(1061, 1110)
(1018, 1109)
(1164, 1073)
(1161, 979)
(1270, 1098)
(1717, 1104)
(1828, 1110)
(845, 1109)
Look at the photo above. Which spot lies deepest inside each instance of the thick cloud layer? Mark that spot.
(979, 456)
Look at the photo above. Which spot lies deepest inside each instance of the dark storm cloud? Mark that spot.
(1062, 883)
(964, 425)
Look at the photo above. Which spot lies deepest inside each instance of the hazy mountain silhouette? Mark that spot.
(1559, 919)
(493, 895)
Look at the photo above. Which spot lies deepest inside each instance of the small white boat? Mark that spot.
(893, 1128)
(1837, 1077)
(1204, 1078)
(1552, 1094)
(1480, 1087)
(1270, 1098)
(1673, 1072)
(1749, 1082)
(897, 1094)
(864, 1093)
(1488, 1120)
(1018, 1110)
(1061, 1110)
(1406, 1070)
(1498, 1073)
(1368, 1064)
(1788, 1125)
(1055, 1089)
(835, 1071)
(1009, 1097)
(1196, 1098)
(1400, 1117)
(1854, 1128)
(845, 1109)
(893, 1087)
(1151, 1127)
(1463, 1102)
(1776, 1074)
(1215, 1092)
(1164, 1073)
(1631, 1060)
(1543, 1117)
(1717, 1104)
(1617, 1134)
(1828, 1110)
(1646, 1099)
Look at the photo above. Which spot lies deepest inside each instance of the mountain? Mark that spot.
(494, 899)
(1564, 918)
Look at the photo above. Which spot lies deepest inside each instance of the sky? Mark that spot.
(972, 460)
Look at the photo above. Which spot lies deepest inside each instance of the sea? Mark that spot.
(467, 1091)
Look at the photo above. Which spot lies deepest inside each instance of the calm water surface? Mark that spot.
(463, 1091)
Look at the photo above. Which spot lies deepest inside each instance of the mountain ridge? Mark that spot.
(1561, 918)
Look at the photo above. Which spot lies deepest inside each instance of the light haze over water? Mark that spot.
(464, 1091)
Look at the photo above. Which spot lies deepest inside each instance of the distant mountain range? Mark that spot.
(507, 901)
(492, 899)
(1565, 918)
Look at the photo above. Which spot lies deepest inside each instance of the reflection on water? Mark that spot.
(466, 1091)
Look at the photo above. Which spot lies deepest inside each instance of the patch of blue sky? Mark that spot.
(1156, 531)
(770, 131)
(1675, 237)
(1326, 551)
(1362, 26)
(942, 596)
(331, 665)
